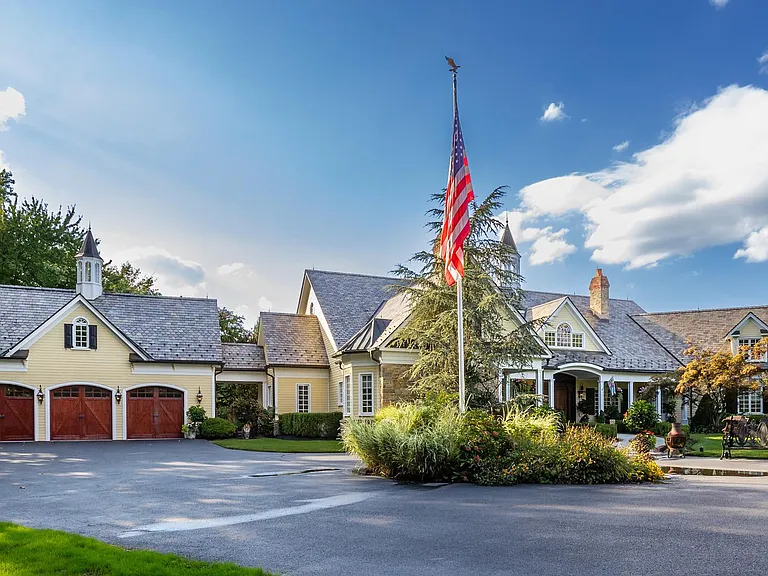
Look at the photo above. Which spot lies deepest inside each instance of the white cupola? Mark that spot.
(513, 265)
(89, 265)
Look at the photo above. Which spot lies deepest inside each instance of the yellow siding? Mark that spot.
(336, 375)
(750, 329)
(565, 314)
(288, 378)
(50, 364)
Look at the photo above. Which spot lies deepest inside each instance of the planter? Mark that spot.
(675, 440)
(191, 435)
(591, 418)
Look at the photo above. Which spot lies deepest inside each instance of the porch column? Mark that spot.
(630, 394)
(658, 401)
(600, 395)
(539, 385)
(552, 392)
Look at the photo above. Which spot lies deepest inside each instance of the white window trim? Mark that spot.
(360, 399)
(758, 393)
(755, 340)
(340, 393)
(309, 396)
(347, 406)
(570, 345)
(87, 333)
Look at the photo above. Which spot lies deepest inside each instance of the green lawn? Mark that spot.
(280, 445)
(713, 446)
(28, 552)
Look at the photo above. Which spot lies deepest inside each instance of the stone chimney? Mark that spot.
(598, 295)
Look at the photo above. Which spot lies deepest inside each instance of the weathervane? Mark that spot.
(452, 63)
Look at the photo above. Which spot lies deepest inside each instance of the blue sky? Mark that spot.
(225, 147)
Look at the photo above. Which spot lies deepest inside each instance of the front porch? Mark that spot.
(580, 390)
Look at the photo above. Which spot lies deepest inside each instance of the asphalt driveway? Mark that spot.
(310, 514)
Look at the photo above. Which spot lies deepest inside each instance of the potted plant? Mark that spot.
(195, 417)
(587, 408)
(189, 431)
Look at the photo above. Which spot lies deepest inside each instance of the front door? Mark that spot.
(17, 413)
(565, 396)
(81, 413)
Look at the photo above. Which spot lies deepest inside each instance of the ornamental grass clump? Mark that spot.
(416, 441)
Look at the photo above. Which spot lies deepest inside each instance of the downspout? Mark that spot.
(273, 399)
(376, 357)
(216, 371)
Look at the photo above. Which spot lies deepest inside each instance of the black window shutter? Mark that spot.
(67, 335)
(92, 341)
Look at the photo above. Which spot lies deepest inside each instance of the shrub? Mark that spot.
(216, 429)
(414, 441)
(706, 418)
(641, 416)
(643, 443)
(196, 414)
(644, 469)
(609, 431)
(311, 424)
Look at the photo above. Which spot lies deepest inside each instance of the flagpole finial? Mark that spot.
(452, 64)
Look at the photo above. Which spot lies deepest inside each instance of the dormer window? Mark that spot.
(564, 337)
(751, 343)
(80, 329)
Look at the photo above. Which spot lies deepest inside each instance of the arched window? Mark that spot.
(564, 335)
(80, 333)
(88, 272)
(311, 308)
(79, 271)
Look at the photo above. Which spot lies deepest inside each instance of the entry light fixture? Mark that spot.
(199, 395)
(40, 394)
(582, 392)
(118, 395)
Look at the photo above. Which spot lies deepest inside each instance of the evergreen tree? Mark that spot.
(491, 341)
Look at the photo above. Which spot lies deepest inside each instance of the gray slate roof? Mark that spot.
(242, 356)
(166, 328)
(88, 247)
(293, 340)
(707, 328)
(349, 301)
(632, 348)
(390, 315)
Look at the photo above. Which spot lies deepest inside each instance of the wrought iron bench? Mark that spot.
(744, 434)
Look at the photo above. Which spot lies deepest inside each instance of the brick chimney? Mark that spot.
(598, 295)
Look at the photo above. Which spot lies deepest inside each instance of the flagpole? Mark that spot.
(460, 296)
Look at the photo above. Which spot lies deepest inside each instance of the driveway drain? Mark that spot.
(291, 472)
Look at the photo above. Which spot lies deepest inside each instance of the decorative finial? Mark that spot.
(454, 67)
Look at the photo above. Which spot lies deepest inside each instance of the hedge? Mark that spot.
(607, 430)
(216, 429)
(311, 424)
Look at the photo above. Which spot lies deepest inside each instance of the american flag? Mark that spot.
(457, 198)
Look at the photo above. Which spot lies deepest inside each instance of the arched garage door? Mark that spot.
(81, 413)
(154, 412)
(17, 413)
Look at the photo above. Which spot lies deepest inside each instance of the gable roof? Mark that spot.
(88, 248)
(552, 308)
(170, 329)
(706, 328)
(243, 356)
(348, 301)
(388, 318)
(632, 348)
(293, 340)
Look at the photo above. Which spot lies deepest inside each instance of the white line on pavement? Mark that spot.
(311, 506)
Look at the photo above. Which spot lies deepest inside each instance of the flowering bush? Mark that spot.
(643, 443)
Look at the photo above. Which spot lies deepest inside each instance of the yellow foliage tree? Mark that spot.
(720, 373)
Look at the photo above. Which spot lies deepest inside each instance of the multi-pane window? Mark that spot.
(302, 397)
(751, 402)
(577, 340)
(750, 342)
(549, 338)
(347, 395)
(564, 335)
(80, 333)
(366, 394)
(341, 393)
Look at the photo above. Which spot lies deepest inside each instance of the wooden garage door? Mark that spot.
(155, 412)
(17, 413)
(81, 413)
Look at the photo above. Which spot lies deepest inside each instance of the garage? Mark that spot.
(17, 413)
(154, 412)
(81, 413)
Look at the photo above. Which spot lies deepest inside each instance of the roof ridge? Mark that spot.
(242, 344)
(160, 296)
(41, 288)
(353, 274)
(564, 295)
(287, 314)
(746, 308)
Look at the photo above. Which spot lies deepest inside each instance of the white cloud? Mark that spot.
(705, 185)
(554, 112)
(265, 304)
(755, 247)
(550, 247)
(763, 62)
(12, 106)
(226, 269)
(621, 146)
(718, 3)
(174, 275)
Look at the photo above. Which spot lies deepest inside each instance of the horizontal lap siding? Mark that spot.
(286, 388)
(49, 364)
(577, 325)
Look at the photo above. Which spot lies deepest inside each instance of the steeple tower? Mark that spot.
(89, 265)
(514, 262)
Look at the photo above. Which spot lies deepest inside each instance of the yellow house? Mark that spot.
(86, 365)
